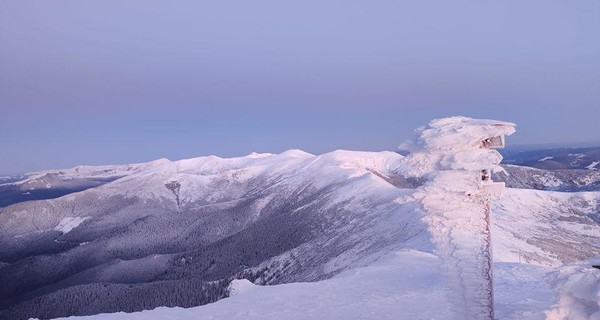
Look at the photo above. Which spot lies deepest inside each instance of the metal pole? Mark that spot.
(490, 259)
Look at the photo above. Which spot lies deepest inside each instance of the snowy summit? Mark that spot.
(342, 235)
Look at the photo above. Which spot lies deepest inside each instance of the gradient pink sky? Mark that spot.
(99, 82)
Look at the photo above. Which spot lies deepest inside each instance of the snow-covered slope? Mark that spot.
(572, 180)
(578, 287)
(379, 291)
(55, 183)
(272, 218)
(176, 233)
(404, 284)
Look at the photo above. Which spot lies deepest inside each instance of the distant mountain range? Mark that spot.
(587, 158)
(175, 233)
(560, 169)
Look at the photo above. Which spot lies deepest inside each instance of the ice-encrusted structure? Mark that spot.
(453, 155)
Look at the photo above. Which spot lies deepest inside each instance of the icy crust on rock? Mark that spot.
(449, 153)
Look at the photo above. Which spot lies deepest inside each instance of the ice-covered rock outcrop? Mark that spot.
(454, 155)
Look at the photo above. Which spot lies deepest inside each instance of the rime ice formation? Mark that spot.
(456, 201)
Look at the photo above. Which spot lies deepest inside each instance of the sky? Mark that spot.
(109, 82)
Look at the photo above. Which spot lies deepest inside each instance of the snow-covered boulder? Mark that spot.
(239, 286)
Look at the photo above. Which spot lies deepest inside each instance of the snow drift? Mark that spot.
(578, 289)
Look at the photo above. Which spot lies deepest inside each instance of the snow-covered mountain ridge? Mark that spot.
(175, 233)
(55, 183)
(254, 215)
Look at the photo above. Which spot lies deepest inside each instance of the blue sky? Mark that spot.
(99, 82)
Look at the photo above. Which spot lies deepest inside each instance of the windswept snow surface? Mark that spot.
(578, 288)
(404, 284)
